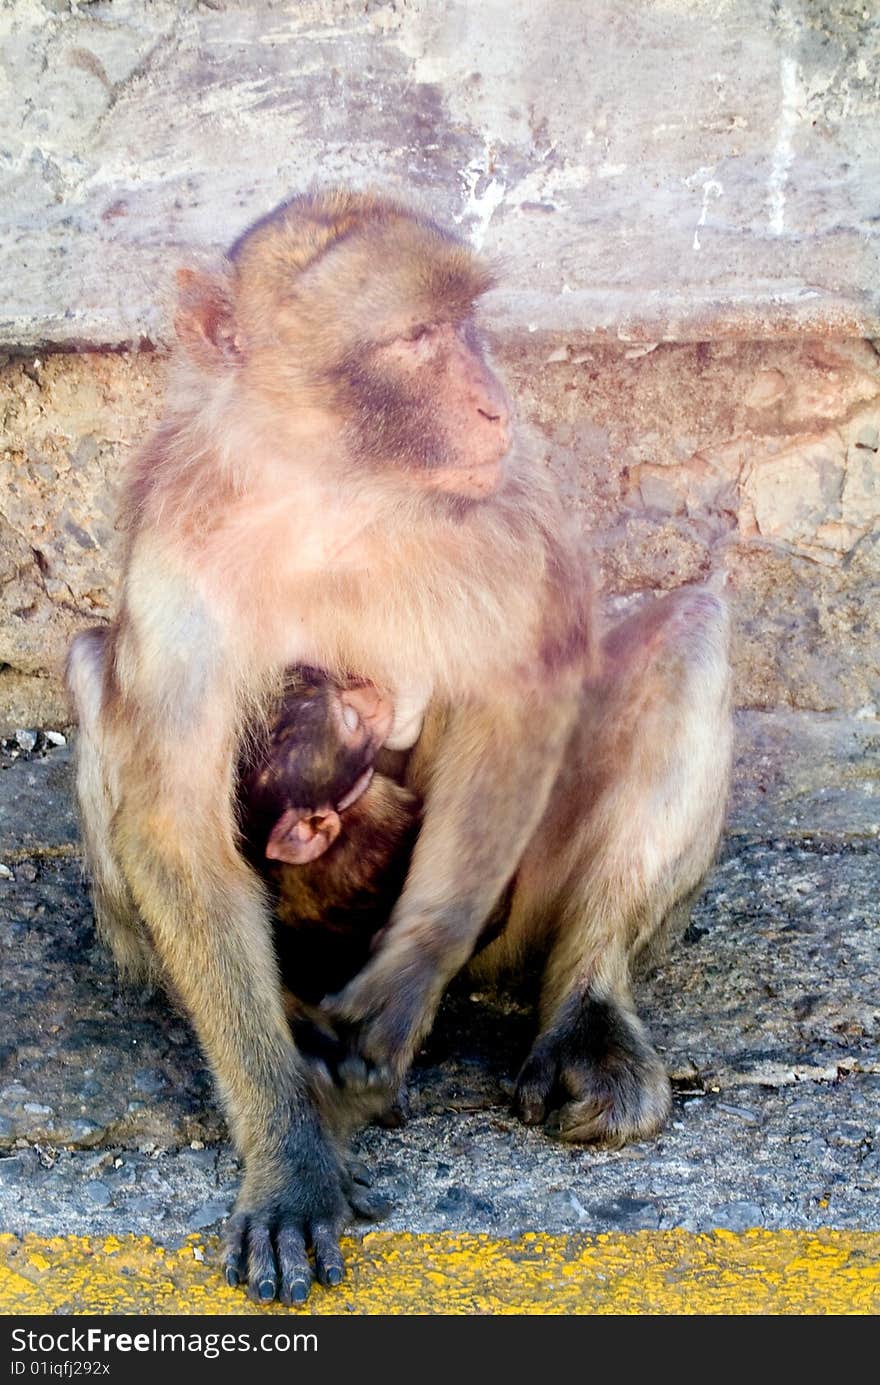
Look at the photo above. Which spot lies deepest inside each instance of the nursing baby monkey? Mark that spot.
(308, 785)
(334, 487)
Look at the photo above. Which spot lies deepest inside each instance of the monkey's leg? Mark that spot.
(492, 767)
(171, 736)
(116, 916)
(212, 936)
(627, 838)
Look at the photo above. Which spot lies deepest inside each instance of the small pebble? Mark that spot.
(742, 1111)
(5, 872)
(207, 1215)
(26, 739)
(738, 1216)
(56, 738)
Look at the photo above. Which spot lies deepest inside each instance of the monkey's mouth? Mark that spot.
(470, 481)
(359, 787)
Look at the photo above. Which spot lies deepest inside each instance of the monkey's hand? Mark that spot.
(380, 1018)
(594, 1077)
(329, 1052)
(291, 1201)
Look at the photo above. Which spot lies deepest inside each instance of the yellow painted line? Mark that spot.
(671, 1272)
(65, 851)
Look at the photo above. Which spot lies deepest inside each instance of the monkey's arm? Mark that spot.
(492, 766)
(485, 768)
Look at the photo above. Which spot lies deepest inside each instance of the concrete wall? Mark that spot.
(683, 200)
(659, 164)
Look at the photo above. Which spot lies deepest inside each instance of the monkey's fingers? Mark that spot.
(381, 1013)
(369, 1205)
(535, 1086)
(612, 1106)
(586, 1122)
(358, 1074)
(262, 1265)
(335, 1057)
(362, 1198)
(594, 1077)
(268, 1250)
(235, 1265)
(293, 1263)
(358, 1172)
(397, 1114)
(347, 1057)
(329, 1265)
(250, 1256)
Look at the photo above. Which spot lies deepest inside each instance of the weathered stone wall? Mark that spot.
(659, 166)
(758, 459)
(66, 421)
(754, 458)
(682, 197)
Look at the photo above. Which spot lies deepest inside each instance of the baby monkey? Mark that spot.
(330, 835)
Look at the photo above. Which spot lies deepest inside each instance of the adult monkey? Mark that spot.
(331, 486)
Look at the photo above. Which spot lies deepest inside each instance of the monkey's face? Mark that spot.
(424, 401)
(363, 311)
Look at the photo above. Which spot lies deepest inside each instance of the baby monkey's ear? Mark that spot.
(299, 837)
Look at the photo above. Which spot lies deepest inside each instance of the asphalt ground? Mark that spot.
(759, 1197)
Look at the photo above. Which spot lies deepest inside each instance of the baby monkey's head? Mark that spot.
(321, 747)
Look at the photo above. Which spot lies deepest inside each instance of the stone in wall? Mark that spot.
(757, 459)
(66, 423)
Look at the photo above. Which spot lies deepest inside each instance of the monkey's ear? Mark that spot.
(204, 320)
(298, 838)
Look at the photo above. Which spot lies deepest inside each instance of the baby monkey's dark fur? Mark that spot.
(327, 911)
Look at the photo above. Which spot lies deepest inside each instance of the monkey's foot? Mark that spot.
(293, 1204)
(594, 1077)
